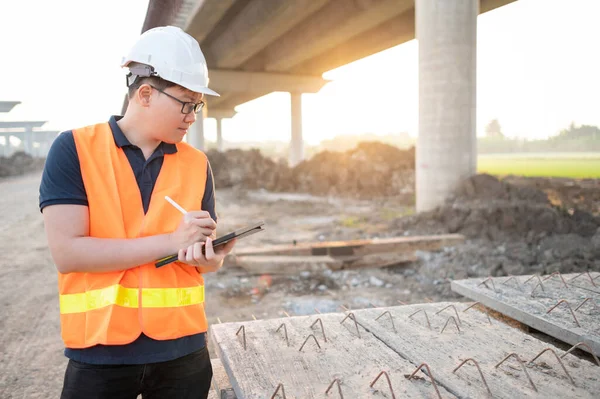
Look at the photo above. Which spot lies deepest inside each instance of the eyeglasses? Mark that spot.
(186, 107)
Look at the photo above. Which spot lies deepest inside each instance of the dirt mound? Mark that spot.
(510, 229)
(248, 169)
(485, 207)
(19, 163)
(370, 170)
(582, 194)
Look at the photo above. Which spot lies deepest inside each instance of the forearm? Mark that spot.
(96, 255)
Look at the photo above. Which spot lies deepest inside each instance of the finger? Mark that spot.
(226, 248)
(209, 250)
(198, 257)
(189, 255)
(204, 223)
(198, 214)
(181, 255)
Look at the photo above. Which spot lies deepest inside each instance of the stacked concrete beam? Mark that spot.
(422, 350)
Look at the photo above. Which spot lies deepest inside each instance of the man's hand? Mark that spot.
(211, 261)
(195, 227)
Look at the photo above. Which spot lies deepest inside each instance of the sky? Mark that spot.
(537, 71)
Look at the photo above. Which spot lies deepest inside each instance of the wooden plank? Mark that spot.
(358, 247)
(256, 371)
(487, 343)
(281, 264)
(516, 301)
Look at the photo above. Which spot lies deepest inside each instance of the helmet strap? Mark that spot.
(139, 71)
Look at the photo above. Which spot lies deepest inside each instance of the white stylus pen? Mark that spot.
(176, 205)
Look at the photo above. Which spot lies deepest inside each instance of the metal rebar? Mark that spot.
(304, 343)
(486, 286)
(585, 300)
(522, 367)
(540, 282)
(285, 331)
(537, 285)
(487, 312)
(351, 315)
(345, 308)
(243, 330)
(557, 358)
(455, 323)
(317, 310)
(480, 373)
(339, 387)
(280, 386)
(453, 307)
(428, 300)
(430, 374)
(560, 275)
(426, 318)
(572, 313)
(391, 319)
(511, 278)
(589, 276)
(585, 346)
(402, 303)
(388, 380)
(322, 329)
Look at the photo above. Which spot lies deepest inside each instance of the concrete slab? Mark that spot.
(354, 358)
(396, 339)
(572, 301)
(419, 338)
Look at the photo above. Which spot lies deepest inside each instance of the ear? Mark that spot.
(144, 95)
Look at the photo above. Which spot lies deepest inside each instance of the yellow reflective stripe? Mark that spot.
(128, 297)
(172, 297)
(96, 299)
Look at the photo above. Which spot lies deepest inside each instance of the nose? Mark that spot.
(190, 118)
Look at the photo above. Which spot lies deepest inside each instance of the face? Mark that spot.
(168, 123)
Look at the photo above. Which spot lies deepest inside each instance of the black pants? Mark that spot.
(188, 377)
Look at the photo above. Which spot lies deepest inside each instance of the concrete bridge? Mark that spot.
(255, 47)
(34, 141)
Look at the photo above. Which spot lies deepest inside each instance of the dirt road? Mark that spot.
(32, 363)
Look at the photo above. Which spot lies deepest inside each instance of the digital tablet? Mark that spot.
(240, 233)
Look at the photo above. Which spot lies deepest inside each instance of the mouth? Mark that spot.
(183, 130)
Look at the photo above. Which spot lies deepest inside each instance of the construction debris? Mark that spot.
(564, 306)
(338, 255)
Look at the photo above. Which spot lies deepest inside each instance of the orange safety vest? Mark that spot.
(114, 308)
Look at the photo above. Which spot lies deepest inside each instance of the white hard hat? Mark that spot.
(173, 55)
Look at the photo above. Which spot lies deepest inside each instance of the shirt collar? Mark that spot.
(122, 141)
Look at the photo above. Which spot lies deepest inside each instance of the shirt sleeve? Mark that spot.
(208, 201)
(61, 179)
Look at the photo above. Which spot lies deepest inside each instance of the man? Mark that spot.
(129, 327)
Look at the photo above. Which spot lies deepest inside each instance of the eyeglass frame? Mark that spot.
(197, 107)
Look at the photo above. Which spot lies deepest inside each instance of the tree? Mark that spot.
(493, 129)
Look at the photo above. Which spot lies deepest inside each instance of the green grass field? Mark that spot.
(574, 165)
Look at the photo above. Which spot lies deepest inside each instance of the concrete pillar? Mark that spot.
(446, 31)
(219, 134)
(195, 134)
(296, 144)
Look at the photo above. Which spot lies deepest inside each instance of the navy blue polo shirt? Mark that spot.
(62, 183)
